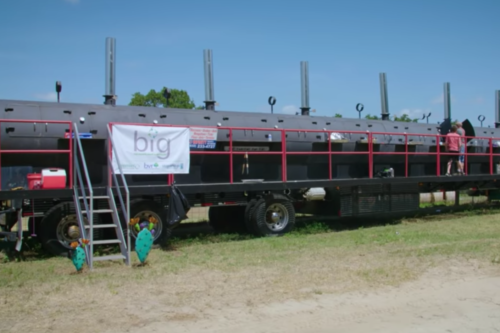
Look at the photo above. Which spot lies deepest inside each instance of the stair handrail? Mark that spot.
(125, 208)
(88, 204)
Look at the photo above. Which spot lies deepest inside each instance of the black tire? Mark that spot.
(227, 219)
(146, 207)
(263, 225)
(216, 220)
(55, 226)
(248, 215)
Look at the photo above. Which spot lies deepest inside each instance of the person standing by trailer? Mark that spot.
(453, 143)
(461, 158)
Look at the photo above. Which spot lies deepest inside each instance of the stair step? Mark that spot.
(99, 211)
(95, 197)
(110, 257)
(107, 241)
(100, 226)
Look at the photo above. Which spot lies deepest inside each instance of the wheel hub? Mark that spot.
(274, 217)
(277, 217)
(68, 230)
(74, 232)
(144, 216)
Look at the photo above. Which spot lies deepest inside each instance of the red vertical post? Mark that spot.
(283, 156)
(231, 156)
(1, 161)
(110, 153)
(465, 156)
(329, 155)
(438, 157)
(370, 155)
(491, 156)
(71, 152)
(406, 155)
(172, 176)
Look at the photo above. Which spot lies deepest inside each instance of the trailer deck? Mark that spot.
(426, 184)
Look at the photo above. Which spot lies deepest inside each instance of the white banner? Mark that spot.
(151, 149)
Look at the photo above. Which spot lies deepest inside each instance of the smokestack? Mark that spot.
(58, 90)
(304, 87)
(209, 80)
(447, 102)
(110, 70)
(497, 109)
(383, 97)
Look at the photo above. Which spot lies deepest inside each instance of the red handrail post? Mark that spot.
(1, 189)
(370, 155)
(71, 152)
(110, 152)
(329, 155)
(283, 156)
(231, 155)
(491, 156)
(406, 155)
(438, 157)
(465, 156)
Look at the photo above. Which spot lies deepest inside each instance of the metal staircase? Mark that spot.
(83, 193)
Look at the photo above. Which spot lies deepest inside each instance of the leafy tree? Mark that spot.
(406, 118)
(337, 115)
(178, 99)
(369, 116)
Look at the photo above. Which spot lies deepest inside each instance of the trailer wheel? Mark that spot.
(59, 227)
(248, 215)
(273, 217)
(145, 208)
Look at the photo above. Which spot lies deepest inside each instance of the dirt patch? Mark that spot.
(459, 297)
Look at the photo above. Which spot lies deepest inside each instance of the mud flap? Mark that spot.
(178, 206)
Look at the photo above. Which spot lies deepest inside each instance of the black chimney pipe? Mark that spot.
(497, 109)
(110, 72)
(304, 87)
(209, 80)
(447, 102)
(383, 97)
(58, 90)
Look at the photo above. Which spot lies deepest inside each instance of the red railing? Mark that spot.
(370, 152)
(69, 151)
(438, 152)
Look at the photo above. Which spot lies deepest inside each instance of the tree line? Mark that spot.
(180, 99)
(404, 117)
(177, 99)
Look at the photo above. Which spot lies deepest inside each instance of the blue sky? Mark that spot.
(257, 47)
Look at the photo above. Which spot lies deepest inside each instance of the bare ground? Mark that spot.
(458, 298)
(453, 296)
